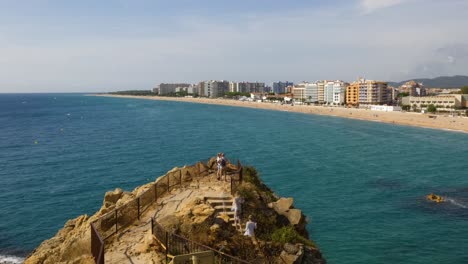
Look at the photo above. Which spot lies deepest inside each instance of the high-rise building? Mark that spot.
(298, 92)
(310, 92)
(280, 87)
(366, 92)
(214, 89)
(320, 91)
(352, 94)
(247, 87)
(334, 92)
(167, 88)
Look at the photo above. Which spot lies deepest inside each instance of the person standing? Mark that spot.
(237, 208)
(219, 168)
(250, 226)
(223, 166)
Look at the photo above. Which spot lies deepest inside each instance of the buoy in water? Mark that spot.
(35, 141)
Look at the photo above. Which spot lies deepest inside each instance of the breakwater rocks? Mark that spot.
(193, 205)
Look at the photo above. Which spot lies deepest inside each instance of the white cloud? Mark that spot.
(369, 6)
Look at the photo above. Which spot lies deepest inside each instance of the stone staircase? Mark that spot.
(222, 205)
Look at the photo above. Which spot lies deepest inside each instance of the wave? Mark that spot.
(5, 259)
(455, 202)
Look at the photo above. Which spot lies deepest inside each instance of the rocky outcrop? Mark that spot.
(300, 254)
(69, 245)
(284, 207)
(192, 217)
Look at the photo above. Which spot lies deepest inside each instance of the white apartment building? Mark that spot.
(334, 92)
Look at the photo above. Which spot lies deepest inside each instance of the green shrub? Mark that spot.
(288, 234)
(284, 235)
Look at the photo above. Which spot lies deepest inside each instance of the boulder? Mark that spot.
(112, 197)
(293, 254)
(290, 248)
(201, 212)
(214, 228)
(282, 205)
(294, 216)
(212, 163)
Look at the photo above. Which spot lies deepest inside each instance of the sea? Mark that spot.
(361, 184)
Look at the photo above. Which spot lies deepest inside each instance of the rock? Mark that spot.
(201, 212)
(282, 205)
(112, 197)
(170, 222)
(288, 258)
(293, 254)
(294, 216)
(214, 228)
(212, 164)
(147, 243)
(290, 248)
(312, 256)
(69, 245)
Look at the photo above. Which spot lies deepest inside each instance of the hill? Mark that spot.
(456, 81)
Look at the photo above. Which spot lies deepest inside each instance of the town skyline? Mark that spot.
(105, 46)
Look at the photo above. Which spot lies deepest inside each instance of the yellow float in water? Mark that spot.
(434, 198)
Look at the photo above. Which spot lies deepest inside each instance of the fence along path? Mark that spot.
(143, 206)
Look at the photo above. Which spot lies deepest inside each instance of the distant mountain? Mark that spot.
(456, 81)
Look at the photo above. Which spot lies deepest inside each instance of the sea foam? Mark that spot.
(10, 259)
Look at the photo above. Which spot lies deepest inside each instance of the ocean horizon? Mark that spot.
(361, 184)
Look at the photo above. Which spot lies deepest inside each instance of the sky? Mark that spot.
(100, 46)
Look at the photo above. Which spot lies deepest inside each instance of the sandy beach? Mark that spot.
(444, 122)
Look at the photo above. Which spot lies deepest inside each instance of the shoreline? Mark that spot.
(442, 122)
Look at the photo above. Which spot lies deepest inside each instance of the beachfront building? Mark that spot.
(413, 88)
(280, 87)
(352, 94)
(334, 92)
(298, 92)
(366, 92)
(311, 92)
(320, 91)
(441, 102)
(169, 88)
(213, 89)
(246, 87)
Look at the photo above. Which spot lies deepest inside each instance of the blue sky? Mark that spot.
(85, 46)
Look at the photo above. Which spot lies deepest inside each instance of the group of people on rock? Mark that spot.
(237, 201)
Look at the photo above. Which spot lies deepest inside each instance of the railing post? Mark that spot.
(180, 177)
(167, 243)
(138, 205)
(152, 225)
(231, 185)
(116, 228)
(155, 192)
(168, 176)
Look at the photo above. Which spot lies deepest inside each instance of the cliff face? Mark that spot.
(281, 234)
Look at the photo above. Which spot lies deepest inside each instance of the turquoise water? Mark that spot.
(361, 184)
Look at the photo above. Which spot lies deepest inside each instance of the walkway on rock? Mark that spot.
(129, 246)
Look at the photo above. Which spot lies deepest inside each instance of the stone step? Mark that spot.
(218, 198)
(222, 208)
(220, 202)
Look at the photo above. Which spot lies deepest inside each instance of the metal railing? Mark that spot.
(178, 245)
(111, 222)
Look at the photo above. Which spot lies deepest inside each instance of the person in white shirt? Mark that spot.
(237, 208)
(250, 226)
